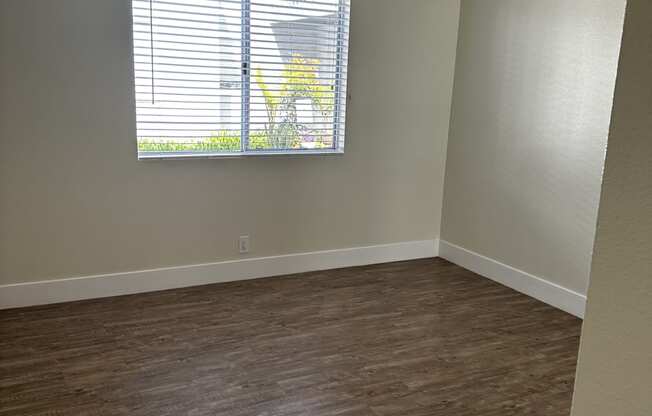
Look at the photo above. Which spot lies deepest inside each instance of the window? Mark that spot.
(240, 77)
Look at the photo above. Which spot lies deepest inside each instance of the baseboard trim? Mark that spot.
(116, 284)
(536, 287)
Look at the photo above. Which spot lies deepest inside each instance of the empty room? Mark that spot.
(326, 207)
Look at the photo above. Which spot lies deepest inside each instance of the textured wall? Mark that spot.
(614, 375)
(533, 90)
(75, 201)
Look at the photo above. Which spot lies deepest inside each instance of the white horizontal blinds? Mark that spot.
(298, 56)
(187, 56)
(220, 76)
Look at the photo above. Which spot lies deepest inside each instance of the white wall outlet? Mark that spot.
(244, 244)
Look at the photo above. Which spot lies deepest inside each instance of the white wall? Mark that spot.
(533, 89)
(75, 201)
(614, 375)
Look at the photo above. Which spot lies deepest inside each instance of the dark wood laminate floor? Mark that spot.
(412, 338)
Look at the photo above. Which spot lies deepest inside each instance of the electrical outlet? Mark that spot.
(244, 244)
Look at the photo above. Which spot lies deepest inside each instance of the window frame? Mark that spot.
(338, 138)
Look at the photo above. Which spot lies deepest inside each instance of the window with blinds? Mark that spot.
(249, 77)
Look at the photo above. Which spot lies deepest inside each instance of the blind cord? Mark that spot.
(151, 45)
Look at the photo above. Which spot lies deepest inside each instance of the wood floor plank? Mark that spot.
(422, 337)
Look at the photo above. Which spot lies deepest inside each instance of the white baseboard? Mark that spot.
(115, 284)
(536, 287)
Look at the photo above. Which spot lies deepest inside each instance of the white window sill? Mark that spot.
(234, 155)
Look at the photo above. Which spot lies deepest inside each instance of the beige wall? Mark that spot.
(614, 375)
(75, 201)
(533, 90)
